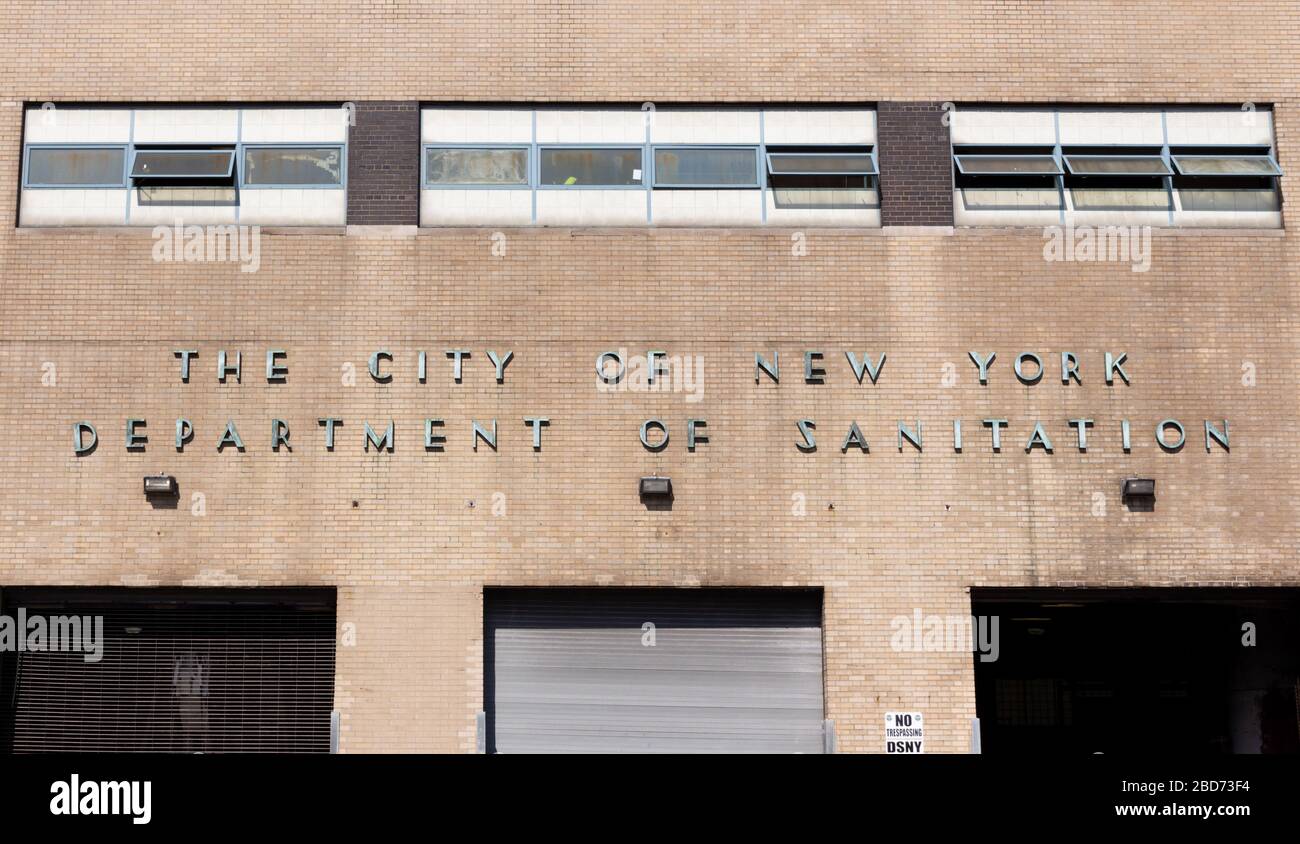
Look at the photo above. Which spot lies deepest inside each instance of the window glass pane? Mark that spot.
(476, 167)
(793, 162)
(1011, 199)
(1108, 199)
(1144, 165)
(1229, 200)
(706, 167)
(164, 164)
(1009, 165)
(824, 198)
(75, 166)
(205, 196)
(591, 167)
(1241, 165)
(293, 166)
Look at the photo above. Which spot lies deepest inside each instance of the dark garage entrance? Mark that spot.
(182, 671)
(1140, 671)
(606, 670)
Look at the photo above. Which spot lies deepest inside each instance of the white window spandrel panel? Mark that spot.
(77, 207)
(669, 126)
(451, 207)
(993, 127)
(1228, 219)
(294, 207)
(591, 207)
(1228, 127)
(819, 126)
(186, 125)
(1118, 128)
(591, 126)
(707, 207)
(77, 125)
(476, 126)
(103, 207)
(1118, 217)
(295, 125)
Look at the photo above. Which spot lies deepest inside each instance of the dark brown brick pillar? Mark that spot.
(384, 165)
(915, 165)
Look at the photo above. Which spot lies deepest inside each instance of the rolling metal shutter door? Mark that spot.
(184, 671)
(731, 671)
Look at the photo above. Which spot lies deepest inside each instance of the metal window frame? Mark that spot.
(121, 185)
(654, 153)
(1165, 153)
(527, 184)
(646, 175)
(958, 156)
(243, 169)
(870, 154)
(1057, 208)
(648, 147)
(131, 147)
(1158, 156)
(230, 171)
(873, 179)
(1058, 184)
(1268, 157)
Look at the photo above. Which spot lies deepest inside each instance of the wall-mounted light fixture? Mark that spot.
(1139, 493)
(656, 487)
(159, 485)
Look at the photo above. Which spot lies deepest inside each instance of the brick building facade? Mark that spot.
(410, 538)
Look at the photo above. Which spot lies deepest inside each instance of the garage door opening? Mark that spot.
(178, 671)
(1186, 671)
(661, 670)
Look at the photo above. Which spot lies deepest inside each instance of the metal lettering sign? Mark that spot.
(620, 370)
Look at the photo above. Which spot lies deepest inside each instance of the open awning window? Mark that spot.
(1117, 165)
(1008, 165)
(820, 164)
(1227, 165)
(183, 164)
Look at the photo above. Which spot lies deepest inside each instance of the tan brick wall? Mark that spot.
(619, 50)
(906, 530)
(411, 557)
